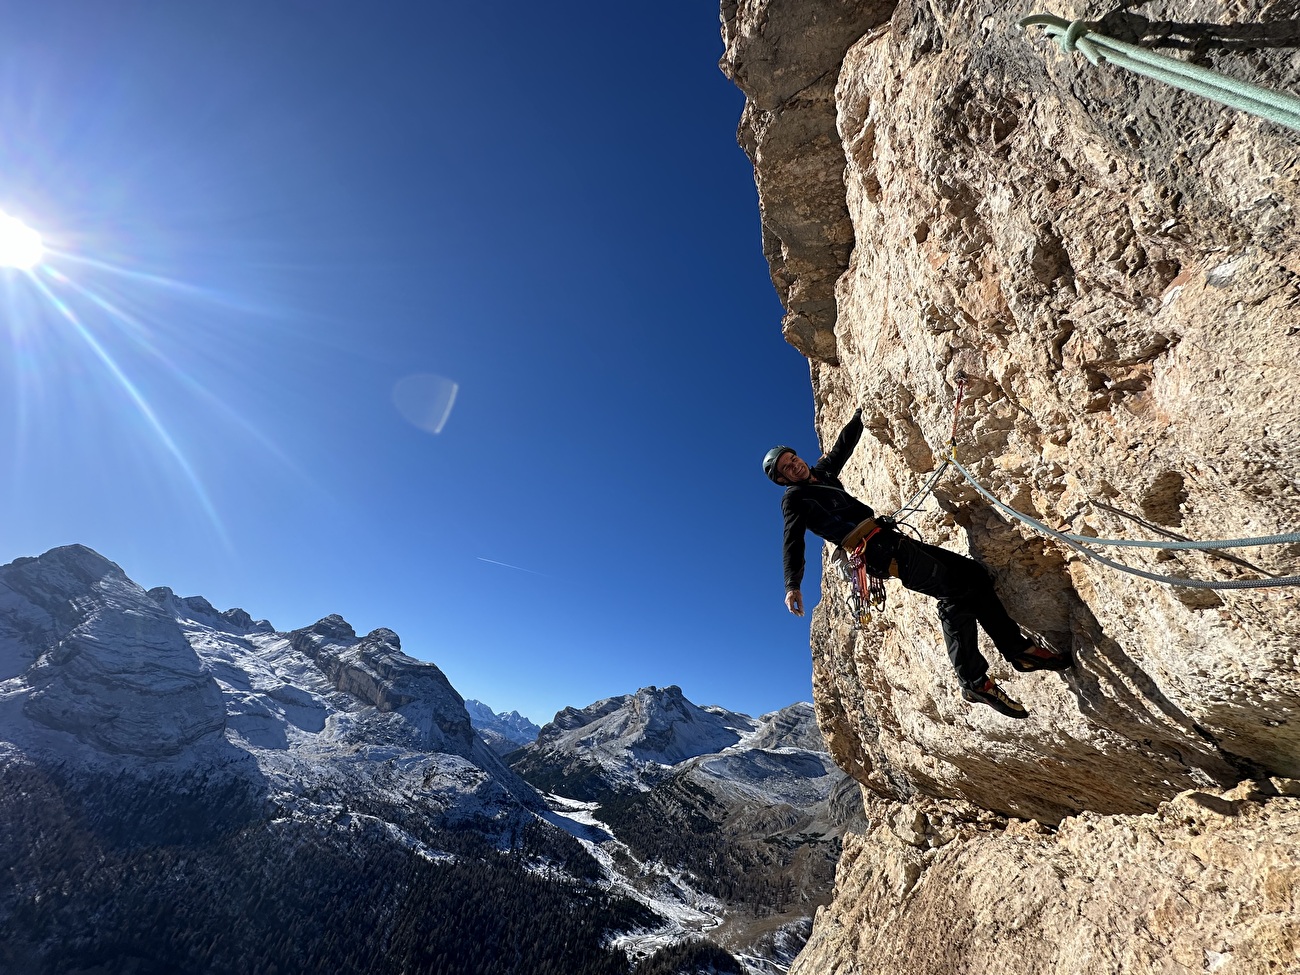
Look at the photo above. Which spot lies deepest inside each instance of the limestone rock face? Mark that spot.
(427, 712)
(97, 658)
(1208, 882)
(1114, 266)
(785, 57)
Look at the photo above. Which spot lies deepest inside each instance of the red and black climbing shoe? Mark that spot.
(989, 693)
(1037, 657)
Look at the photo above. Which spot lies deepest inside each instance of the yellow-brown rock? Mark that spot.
(1204, 884)
(1114, 265)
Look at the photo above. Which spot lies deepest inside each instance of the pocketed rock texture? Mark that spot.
(1114, 266)
(1207, 883)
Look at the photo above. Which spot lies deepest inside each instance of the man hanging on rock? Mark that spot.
(816, 501)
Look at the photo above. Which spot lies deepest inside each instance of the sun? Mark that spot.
(20, 245)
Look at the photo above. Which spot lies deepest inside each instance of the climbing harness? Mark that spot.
(1081, 543)
(866, 587)
(1084, 37)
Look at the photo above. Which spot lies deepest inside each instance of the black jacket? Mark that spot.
(823, 508)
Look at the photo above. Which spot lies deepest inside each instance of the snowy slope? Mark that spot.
(627, 741)
(725, 825)
(503, 732)
(784, 760)
(96, 670)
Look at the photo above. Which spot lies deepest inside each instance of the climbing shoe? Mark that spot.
(1036, 657)
(989, 693)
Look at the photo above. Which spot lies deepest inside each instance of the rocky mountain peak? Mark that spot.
(333, 627)
(792, 726)
(502, 732)
(621, 739)
(79, 560)
(670, 697)
(570, 717)
(244, 623)
(201, 610)
(384, 636)
(376, 672)
(91, 659)
(60, 576)
(97, 659)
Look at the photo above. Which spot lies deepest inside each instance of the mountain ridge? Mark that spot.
(158, 723)
(752, 815)
(503, 732)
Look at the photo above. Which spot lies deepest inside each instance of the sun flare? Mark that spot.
(20, 245)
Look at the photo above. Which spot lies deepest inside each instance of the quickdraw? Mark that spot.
(871, 587)
(864, 591)
(866, 588)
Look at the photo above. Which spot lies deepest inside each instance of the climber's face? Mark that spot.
(792, 469)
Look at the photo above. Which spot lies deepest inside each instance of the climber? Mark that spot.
(816, 501)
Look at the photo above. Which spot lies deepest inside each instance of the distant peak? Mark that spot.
(244, 622)
(75, 550)
(82, 559)
(200, 605)
(672, 692)
(334, 627)
(382, 635)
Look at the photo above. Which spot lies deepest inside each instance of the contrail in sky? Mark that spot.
(509, 566)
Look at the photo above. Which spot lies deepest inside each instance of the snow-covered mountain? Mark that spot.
(321, 788)
(174, 776)
(502, 732)
(626, 742)
(738, 820)
(95, 669)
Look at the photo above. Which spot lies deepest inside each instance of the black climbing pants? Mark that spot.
(964, 590)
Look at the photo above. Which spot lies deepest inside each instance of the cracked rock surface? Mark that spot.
(1206, 883)
(1114, 266)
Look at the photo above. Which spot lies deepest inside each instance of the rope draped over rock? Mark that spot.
(1077, 542)
(1080, 543)
(1083, 36)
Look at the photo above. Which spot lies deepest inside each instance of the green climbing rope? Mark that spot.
(1083, 36)
(1269, 583)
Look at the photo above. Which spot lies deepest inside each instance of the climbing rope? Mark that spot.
(1186, 545)
(1080, 543)
(1076, 542)
(913, 506)
(1097, 47)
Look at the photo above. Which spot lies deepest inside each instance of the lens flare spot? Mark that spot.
(20, 245)
(425, 400)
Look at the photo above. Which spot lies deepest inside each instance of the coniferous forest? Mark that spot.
(252, 892)
(684, 825)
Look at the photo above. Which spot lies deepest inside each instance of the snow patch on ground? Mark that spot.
(687, 913)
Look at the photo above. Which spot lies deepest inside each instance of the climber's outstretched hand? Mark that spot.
(794, 602)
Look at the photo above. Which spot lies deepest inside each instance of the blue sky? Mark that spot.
(263, 216)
